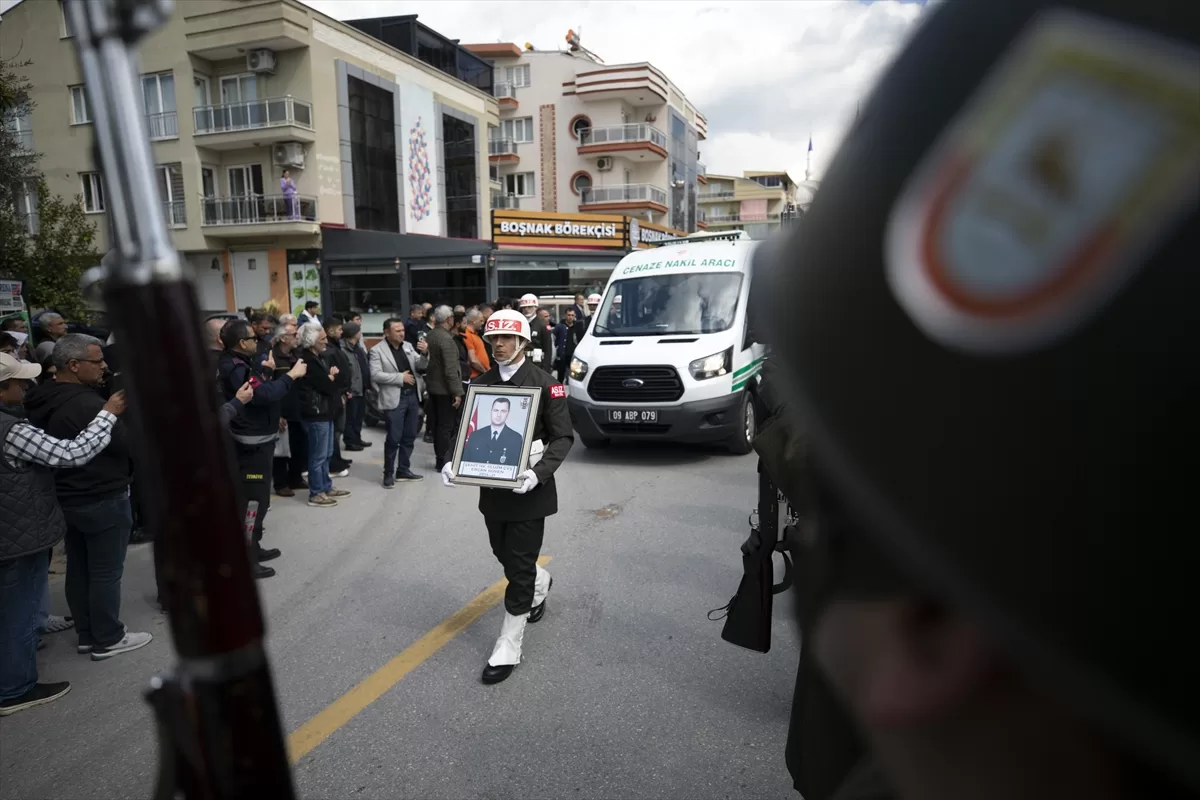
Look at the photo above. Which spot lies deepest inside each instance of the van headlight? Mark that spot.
(713, 366)
(578, 368)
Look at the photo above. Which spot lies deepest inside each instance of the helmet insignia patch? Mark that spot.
(1076, 155)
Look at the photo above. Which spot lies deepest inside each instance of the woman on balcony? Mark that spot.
(288, 187)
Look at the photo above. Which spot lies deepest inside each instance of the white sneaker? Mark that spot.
(131, 641)
(343, 474)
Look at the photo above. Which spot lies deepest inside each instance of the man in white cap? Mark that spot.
(516, 518)
(541, 334)
(31, 523)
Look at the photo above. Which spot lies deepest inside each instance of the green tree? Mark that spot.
(50, 262)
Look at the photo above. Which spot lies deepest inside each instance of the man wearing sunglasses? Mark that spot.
(94, 497)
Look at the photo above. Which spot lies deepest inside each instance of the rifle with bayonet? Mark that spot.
(219, 725)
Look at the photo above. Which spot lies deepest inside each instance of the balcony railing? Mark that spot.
(613, 134)
(502, 147)
(252, 115)
(715, 195)
(724, 218)
(163, 125)
(625, 193)
(504, 90)
(258, 210)
(176, 212)
(505, 201)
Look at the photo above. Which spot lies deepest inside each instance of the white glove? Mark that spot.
(531, 480)
(448, 475)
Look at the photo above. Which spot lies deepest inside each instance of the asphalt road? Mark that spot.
(626, 689)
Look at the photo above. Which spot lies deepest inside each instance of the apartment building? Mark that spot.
(757, 202)
(385, 147)
(588, 161)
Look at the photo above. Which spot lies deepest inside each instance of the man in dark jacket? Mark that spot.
(255, 430)
(566, 338)
(31, 523)
(288, 473)
(360, 380)
(335, 356)
(318, 399)
(444, 381)
(94, 498)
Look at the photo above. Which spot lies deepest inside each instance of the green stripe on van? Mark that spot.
(739, 383)
(737, 373)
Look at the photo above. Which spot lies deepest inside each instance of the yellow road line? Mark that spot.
(309, 735)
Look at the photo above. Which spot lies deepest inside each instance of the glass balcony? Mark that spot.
(619, 134)
(258, 210)
(504, 91)
(624, 193)
(273, 112)
(163, 125)
(505, 201)
(176, 213)
(715, 195)
(502, 147)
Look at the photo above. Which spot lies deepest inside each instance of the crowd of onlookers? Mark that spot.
(296, 395)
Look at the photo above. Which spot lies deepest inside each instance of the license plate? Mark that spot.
(627, 416)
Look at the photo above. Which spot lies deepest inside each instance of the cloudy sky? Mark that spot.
(765, 74)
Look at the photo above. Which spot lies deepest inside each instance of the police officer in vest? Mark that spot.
(256, 428)
(516, 518)
(1006, 250)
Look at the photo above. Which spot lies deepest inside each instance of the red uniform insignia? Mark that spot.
(557, 391)
(255, 382)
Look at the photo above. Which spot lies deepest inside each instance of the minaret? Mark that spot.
(808, 163)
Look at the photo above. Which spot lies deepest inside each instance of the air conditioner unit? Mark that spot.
(288, 154)
(604, 163)
(261, 60)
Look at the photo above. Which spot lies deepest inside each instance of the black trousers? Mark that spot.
(517, 546)
(356, 411)
(443, 421)
(298, 463)
(254, 464)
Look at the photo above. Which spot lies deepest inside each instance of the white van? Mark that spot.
(669, 353)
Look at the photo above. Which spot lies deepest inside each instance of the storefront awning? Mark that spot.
(359, 247)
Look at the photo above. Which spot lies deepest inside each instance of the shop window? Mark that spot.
(367, 290)
(451, 286)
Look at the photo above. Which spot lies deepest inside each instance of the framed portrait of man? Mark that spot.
(495, 435)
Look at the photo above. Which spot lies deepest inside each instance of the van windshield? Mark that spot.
(654, 305)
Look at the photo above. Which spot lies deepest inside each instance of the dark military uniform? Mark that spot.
(517, 522)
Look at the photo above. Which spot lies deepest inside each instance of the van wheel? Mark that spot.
(742, 442)
(594, 444)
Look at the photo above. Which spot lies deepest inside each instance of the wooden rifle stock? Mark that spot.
(218, 719)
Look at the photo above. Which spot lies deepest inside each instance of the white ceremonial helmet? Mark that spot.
(593, 299)
(528, 300)
(507, 322)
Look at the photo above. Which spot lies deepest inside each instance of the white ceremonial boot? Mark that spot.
(541, 588)
(507, 652)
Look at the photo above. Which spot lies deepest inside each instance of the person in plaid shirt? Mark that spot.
(31, 523)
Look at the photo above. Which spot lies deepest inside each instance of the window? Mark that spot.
(201, 91)
(208, 190)
(67, 30)
(158, 99)
(93, 192)
(21, 126)
(580, 182)
(170, 189)
(579, 125)
(80, 114)
(494, 173)
(519, 183)
(462, 183)
(517, 76)
(26, 199)
(517, 130)
(680, 303)
(373, 157)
